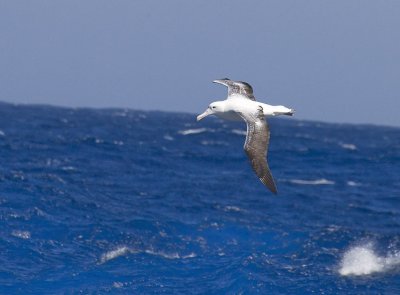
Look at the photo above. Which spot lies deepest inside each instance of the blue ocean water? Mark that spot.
(130, 202)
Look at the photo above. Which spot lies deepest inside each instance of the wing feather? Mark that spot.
(256, 148)
(237, 87)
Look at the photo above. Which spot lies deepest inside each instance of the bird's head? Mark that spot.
(214, 108)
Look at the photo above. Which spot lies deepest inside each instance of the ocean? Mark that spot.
(115, 201)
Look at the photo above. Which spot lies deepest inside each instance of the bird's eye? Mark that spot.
(213, 107)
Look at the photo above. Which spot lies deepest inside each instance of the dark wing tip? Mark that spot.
(268, 181)
(247, 86)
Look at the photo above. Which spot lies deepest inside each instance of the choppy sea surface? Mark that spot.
(130, 202)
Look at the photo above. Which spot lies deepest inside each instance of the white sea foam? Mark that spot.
(192, 131)
(168, 137)
(118, 285)
(348, 146)
(232, 208)
(21, 234)
(123, 250)
(212, 142)
(68, 168)
(172, 255)
(353, 183)
(118, 142)
(362, 260)
(114, 254)
(239, 132)
(2, 133)
(321, 181)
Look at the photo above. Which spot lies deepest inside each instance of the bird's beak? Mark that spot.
(205, 114)
(222, 82)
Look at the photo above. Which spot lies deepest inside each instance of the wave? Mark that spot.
(21, 234)
(168, 137)
(321, 181)
(232, 208)
(353, 183)
(348, 146)
(238, 132)
(2, 133)
(118, 142)
(362, 260)
(192, 131)
(173, 255)
(212, 142)
(68, 168)
(123, 250)
(114, 254)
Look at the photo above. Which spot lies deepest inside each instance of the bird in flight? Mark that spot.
(242, 105)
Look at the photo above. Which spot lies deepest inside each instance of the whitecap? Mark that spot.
(321, 181)
(118, 285)
(348, 146)
(68, 168)
(192, 131)
(239, 132)
(168, 137)
(353, 183)
(211, 142)
(362, 260)
(21, 234)
(114, 254)
(2, 133)
(172, 255)
(123, 250)
(232, 208)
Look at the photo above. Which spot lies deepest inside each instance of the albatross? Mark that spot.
(242, 105)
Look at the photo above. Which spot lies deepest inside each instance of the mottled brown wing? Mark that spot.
(256, 147)
(246, 90)
(237, 87)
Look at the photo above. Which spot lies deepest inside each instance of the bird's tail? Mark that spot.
(290, 113)
(281, 110)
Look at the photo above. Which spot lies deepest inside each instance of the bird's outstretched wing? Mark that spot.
(237, 87)
(256, 147)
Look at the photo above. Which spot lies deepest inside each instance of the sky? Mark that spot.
(335, 61)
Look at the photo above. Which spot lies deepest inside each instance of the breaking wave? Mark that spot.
(239, 132)
(321, 181)
(21, 234)
(363, 260)
(353, 183)
(124, 250)
(348, 146)
(192, 131)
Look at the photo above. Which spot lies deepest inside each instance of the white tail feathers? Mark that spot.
(282, 110)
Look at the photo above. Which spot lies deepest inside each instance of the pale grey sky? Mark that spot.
(330, 60)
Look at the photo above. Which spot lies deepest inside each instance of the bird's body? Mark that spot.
(242, 105)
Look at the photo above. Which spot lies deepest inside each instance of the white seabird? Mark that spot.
(242, 105)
